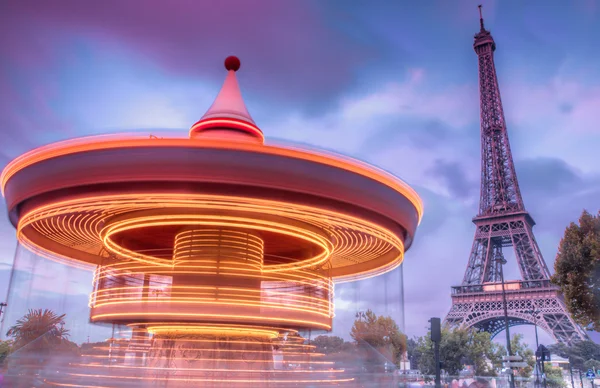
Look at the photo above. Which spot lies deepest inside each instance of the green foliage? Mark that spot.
(379, 333)
(592, 364)
(95, 348)
(460, 346)
(67, 347)
(577, 270)
(520, 348)
(5, 348)
(413, 352)
(38, 330)
(554, 377)
(329, 344)
(582, 355)
(338, 351)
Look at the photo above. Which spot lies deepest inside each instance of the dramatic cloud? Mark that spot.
(556, 193)
(455, 178)
(276, 39)
(554, 118)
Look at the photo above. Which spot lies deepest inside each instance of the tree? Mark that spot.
(592, 364)
(5, 347)
(520, 348)
(38, 330)
(577, 270)
(460, 346)
(328, 344)
(379, 333)
(554, 376)
(343, 353)
(413, 353)
(582, 355)
(39, 336)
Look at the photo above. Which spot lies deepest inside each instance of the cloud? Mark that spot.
(555, 193)
(437, 209)
(402, 127)
(453, 174)
(277, 40)
(412, 99)
(548, 175)
(557, 118)
(26, 118)
(568, 103)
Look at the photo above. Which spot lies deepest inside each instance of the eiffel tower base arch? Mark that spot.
(483, 310)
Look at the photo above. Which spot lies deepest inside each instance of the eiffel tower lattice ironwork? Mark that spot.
(503, 222)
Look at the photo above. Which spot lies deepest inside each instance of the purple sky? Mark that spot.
(391, 83)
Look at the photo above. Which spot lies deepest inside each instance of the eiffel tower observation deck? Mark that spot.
(503, 222)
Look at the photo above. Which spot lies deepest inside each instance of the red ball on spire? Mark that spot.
(232, 63)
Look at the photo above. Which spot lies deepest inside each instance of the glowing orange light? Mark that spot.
(192, 270)
(110, 142)
(77, 223)
(227, 123)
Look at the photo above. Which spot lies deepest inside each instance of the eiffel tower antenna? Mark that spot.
(503, 222)
(480, 18)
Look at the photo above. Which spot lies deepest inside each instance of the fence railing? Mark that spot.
(511, 286)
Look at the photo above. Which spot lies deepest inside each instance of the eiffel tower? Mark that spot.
(503, 222)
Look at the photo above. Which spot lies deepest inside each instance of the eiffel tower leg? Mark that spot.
(477, 261)
(459, 313)
(529, 257)
(557, 321)
(482, 268)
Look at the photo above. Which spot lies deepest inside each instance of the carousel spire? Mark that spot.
(228, 112)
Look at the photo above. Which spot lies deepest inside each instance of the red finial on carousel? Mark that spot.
(228, 117)
(232, 63)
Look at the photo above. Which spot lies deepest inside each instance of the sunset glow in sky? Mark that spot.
(393, 83)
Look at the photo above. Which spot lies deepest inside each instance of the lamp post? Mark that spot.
(436, 337)
(534, 314)
(501, 260)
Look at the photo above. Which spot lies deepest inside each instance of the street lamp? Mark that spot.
(501, 261)
(534, 314)
(360, 315)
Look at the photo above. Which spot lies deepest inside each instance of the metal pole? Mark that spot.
(401, 300)
(110, 346)
(10, 284)
(580, 378)
(543, 370)
(436, 338)
(537, 346)
(385, 287)
(436, 352)
(502, 261)
(571, 371)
